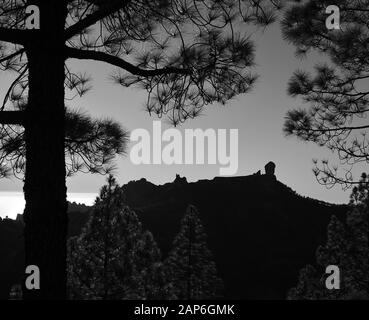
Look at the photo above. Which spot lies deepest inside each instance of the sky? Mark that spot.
(258, 116)
(12, 203)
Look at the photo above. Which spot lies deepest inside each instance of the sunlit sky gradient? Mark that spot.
(259, 116)
(12, 203)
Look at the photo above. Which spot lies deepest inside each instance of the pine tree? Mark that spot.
(156, 284)
(190, 266)
(185, 54)
(113, 258)
(347, 247)
(337, 100)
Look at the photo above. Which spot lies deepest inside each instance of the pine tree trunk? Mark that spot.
(45, 213)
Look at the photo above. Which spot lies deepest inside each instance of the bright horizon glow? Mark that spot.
(259, 117)
(12, 203)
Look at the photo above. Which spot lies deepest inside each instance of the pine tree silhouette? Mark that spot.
(338, 105)
(114, 258)
(185, 56)
(190, 265)
(347, 247)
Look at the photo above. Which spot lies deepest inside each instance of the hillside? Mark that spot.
(259, 230)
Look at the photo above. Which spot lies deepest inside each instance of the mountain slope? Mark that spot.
(259, 230)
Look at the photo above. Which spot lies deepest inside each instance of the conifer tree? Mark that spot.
(347, 247)
(336, 93)
(190, 265)
(156, 284)
(113, 258)
(185, 54)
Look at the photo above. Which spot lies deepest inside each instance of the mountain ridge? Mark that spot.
(260, 231)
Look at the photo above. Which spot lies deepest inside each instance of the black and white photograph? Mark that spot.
(179, 156)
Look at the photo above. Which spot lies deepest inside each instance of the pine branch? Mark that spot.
(11, 56)
(93, 18)
(14, 36)
(12, 117)
(118, 62)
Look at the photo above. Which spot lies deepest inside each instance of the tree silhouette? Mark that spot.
(114, 258)
(185, 54)
(337, 93)
(90, 145)
(190, 266)
(347, 247)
